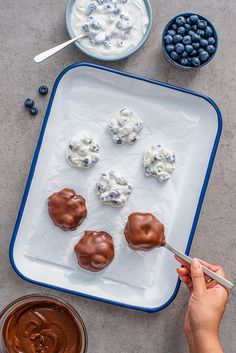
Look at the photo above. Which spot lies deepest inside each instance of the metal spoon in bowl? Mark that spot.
(46, 54)
(224, 282)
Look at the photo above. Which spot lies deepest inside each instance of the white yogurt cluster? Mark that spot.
(111, 26)
(125, 126)
(159, 162)
(82, 151)
(113, 189)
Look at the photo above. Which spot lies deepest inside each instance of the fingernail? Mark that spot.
(196, 263)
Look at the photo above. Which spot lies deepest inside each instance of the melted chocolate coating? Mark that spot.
(67, 209)
(95, 250)
(144, 232)
(40, 327)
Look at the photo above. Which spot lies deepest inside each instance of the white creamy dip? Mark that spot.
(112, 26)
(125, 126)
(159, 162)
(82, 151)
(113, 189)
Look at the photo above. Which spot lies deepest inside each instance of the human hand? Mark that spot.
(207, 302)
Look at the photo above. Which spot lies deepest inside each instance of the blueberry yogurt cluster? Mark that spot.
(109, 26)
(113, 189)
(190, 41)
(82, 151)
(159, 162)
(125, 126)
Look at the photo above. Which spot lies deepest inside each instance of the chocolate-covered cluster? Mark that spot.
(67, 209)
(95, 250)
(144, 232)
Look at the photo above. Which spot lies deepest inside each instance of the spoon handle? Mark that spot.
(224, 282)
(46, 54)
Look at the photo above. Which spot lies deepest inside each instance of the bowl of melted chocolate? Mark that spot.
(42, 324)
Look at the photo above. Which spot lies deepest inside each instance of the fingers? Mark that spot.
(215, 268)
(182, 271)
(184, 263)
(199, 286)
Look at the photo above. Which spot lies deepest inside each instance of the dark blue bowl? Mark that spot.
(169, 26)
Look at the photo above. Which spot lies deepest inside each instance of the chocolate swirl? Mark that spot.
(46, 327)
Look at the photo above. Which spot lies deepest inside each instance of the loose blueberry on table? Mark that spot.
(43, 90)
(29, 103)
(33, 111)
(189, 41)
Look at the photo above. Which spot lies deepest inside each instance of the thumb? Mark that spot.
(197, 275)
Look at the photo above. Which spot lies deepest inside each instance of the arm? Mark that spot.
(206, 306)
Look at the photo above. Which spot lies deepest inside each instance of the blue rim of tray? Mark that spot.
(34, 163)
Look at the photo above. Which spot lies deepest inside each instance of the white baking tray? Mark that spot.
(83, 97)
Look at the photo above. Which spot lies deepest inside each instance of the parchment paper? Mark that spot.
(90, 108)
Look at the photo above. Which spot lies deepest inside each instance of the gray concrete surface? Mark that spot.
(28, 27)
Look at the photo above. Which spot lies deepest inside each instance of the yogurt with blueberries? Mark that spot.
(159, 162)
(111, 27)
(125, 126)
(113, 189)
(82, 151)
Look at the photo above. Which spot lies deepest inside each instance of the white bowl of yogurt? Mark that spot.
(113, 29)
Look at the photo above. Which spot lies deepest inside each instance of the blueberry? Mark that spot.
(195, 62)
(174, 26)
(171, 32)
(179, 48)
(85, 162)
(181, 30)
(191, 33)
(174, 56)
(85, 28)
(200, 50)
(96, 25)
(193, 53)
(43, 90)
(195, 37)
(203, 43)
(184, 61)
(202, 24)
(188, 21)
(180, 21)
(177, 38)
(187, 27)
(193, 19)
(196, 45)
(203, 55)
(91, 7)
(184, 54)
(107, 43)
(200, 32)
(210, 49)
(187, 40)
(188, 48)
(170, 48)
(168, 39)
(211, 40)
(208, 31)
(29, 103)
(33, 111)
